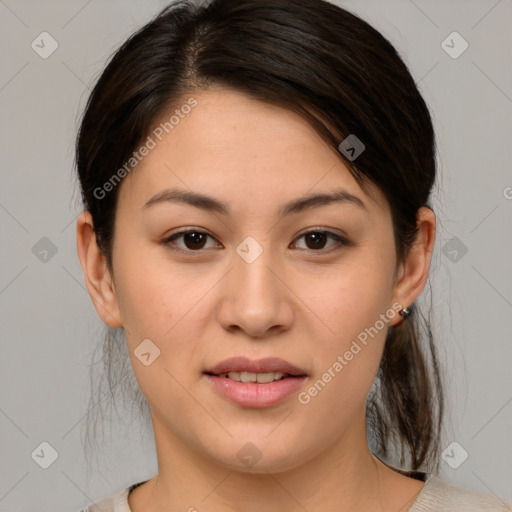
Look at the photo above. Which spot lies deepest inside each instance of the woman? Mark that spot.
(256, 179)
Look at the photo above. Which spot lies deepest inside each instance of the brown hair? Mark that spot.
(343, 77)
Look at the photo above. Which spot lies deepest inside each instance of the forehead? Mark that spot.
(240, 149)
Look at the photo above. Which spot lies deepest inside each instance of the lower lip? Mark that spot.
(250, 394)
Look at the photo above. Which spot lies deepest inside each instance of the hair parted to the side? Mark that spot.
(343, 77)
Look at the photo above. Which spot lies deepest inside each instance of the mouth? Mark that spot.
(240, 368)
(260, 378)
(256, 384)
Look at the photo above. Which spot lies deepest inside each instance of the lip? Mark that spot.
(250, 394)
(266, 365)
(256, 395)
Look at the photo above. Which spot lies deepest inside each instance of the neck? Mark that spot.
(345, 476)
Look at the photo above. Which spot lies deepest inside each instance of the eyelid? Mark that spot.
(169, 238)
(340, 239)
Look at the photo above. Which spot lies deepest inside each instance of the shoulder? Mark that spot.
(441, 496)
(116, 503)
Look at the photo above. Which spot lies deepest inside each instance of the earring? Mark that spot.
(405, 312)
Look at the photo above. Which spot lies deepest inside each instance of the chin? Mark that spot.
(260, 455)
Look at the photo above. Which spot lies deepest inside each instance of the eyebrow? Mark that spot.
(211, 204)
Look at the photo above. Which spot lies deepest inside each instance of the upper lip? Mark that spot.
(266, 365)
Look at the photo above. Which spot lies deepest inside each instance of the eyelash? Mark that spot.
(341, 242)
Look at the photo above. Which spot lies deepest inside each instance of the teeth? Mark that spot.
(248, 377)
(261, 378)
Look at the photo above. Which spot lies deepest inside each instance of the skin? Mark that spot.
(303, 304)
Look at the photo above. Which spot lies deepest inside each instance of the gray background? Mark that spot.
(49, 326)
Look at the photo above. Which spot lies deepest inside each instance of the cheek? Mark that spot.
(355, 312)
(145, 301)
(350, 298)
(347, 360)
(155, 307)
(167, 304)
(150, 290)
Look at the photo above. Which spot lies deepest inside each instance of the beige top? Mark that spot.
(435, 496)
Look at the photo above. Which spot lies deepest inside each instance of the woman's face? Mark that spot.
(250, 283)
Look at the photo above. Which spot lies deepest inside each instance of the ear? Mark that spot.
(413, 273)
(97, 277)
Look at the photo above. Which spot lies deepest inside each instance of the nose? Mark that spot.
(255, 297)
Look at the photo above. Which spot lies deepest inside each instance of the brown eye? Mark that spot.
(316, 241)
(192, 240)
